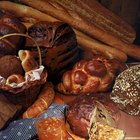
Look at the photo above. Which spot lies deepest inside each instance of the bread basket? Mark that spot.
(26, 94)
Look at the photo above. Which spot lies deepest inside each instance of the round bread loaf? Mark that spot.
(126, 90)
(10, 24)
(80, 112)
(10, 64)
(58, 46)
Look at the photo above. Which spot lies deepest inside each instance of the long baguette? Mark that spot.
(29, 12)
(91, 44)
(21, 10)
(101, 17)
(77, 22)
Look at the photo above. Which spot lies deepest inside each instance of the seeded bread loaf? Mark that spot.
(126, 90)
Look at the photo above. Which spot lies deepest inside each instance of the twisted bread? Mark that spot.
(95, 75)
(10, 24)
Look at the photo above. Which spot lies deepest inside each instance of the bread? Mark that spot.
(24, 12)
(52, 128)
(106, 132)
(58, 46)
(100, 16)
(85, 25)
(97, 47)
(126, 90)
(87, 108)
(27, 60)
(89, 76)
(10, 64)
(10, 24)
(15, 78)
(45, 98)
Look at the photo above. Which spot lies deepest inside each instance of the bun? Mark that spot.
(28, 61)
(58, 46)
(10, 24)
(126, 90)
(85, 108)
(95, 75)
(15, 78)
(10, 64)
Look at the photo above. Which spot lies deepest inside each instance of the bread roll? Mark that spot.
(15, 78)
(28, 61)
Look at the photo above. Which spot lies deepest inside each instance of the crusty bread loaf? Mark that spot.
(90, 108)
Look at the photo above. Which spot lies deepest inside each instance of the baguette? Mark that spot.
(75, 20)
(20, 10)
(101, 17)
(42, 103)
(93, 45)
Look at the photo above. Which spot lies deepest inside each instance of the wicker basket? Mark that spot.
(26, 94)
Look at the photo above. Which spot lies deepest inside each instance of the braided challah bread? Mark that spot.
(10, 24)
(95, 75)
(58, 45)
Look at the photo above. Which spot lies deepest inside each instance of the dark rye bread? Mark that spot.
(126, 90)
